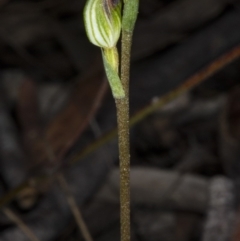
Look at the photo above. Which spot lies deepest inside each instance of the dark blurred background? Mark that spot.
(55, 103)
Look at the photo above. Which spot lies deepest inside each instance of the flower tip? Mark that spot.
(102, 20)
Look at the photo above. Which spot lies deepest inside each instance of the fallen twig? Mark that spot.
(74, 208)
(15, 219)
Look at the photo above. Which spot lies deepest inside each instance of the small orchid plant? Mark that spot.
(105, 21)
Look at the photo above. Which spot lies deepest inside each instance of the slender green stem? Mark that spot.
(125, 60)
(130, 11)
(124, 157)
(122, 106)
(128, 22)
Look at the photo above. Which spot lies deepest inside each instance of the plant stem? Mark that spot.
(122, 106)
(125, 62)
(124, 158)
(129, 17)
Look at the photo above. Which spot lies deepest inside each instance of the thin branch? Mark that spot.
(70, 198)
(15, 219)
(75, 209)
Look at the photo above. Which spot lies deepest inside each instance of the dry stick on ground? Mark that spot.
(70, 198)
(15, 219)
(189, 84)
(75, 209)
